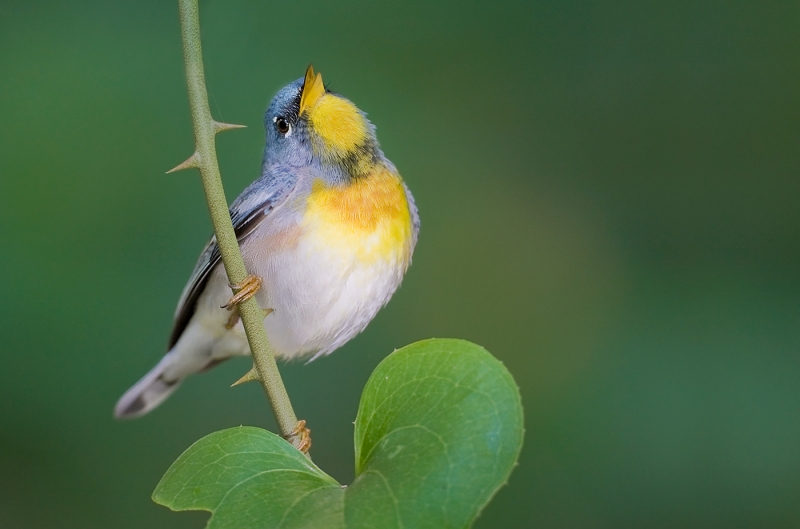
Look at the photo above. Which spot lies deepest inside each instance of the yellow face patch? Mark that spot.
(369, 216)
(339, 124)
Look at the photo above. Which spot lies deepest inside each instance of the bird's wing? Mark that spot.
(247, 211)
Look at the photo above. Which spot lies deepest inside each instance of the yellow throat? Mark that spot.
(339, 128)
(369, 215)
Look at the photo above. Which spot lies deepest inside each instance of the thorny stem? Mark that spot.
(205, 159)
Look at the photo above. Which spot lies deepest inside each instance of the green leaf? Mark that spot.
(438, 431)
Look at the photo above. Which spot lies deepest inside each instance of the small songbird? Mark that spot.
(328, 228)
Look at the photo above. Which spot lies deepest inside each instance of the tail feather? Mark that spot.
(148, 393)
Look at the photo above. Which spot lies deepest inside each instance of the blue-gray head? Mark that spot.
(307, 125)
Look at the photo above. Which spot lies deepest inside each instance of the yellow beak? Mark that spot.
(313, 89)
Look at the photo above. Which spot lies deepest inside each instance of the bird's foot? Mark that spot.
(304, 434)
(244, 291)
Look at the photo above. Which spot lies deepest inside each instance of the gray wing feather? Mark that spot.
(247, 211)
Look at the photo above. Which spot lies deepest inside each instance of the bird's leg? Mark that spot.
(253, 373)
(233, 319)
(304, 434)
(244, 291)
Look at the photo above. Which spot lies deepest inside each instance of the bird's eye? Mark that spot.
(282, 125)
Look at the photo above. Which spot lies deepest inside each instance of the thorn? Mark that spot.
(192, 161)
(248, 377)
(267, 312)
(222, 127)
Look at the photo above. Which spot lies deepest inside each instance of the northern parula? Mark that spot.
(328, 228)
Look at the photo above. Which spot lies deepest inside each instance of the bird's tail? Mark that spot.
(149, 392)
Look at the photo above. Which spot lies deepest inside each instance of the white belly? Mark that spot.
(323, 289)
(322, 298)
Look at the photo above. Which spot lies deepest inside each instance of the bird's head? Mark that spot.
(307, 125)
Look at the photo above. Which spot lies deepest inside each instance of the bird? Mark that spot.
(327, 233)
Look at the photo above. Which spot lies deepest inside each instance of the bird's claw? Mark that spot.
(244, 291)
(304, 434)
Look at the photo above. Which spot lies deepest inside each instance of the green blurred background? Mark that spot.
(610, 201)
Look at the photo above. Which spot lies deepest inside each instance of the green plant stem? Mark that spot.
(205, 159)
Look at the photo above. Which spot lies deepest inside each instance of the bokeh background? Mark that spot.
(610, 201)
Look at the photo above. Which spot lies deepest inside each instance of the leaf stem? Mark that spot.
(205, 159)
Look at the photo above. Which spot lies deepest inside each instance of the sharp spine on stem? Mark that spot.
(221, 127)
(250, 376)
(192, 162)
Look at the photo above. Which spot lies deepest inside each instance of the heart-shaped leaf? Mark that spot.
(439, 429)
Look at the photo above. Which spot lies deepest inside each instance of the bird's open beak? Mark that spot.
(313, 89)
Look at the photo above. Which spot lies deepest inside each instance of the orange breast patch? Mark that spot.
(369, 216)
